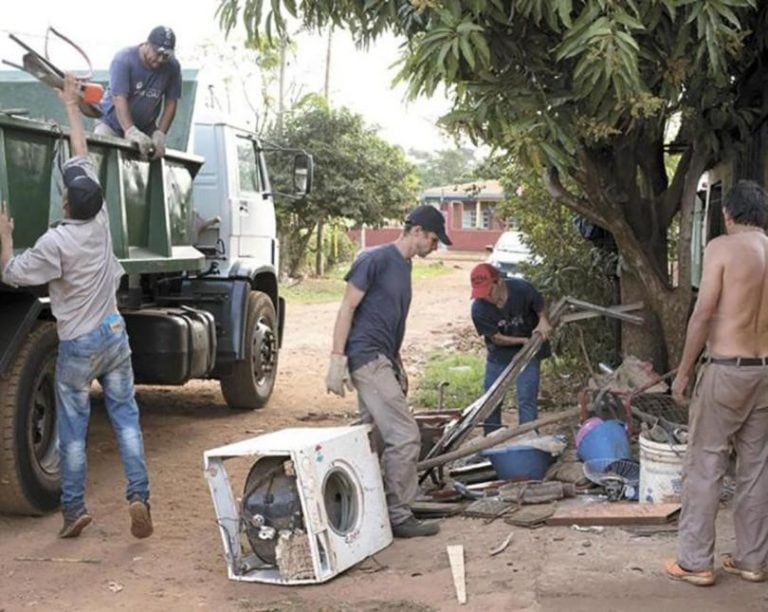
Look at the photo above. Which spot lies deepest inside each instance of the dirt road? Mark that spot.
(182, 567)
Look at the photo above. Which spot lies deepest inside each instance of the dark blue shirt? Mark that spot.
(518, 317)
(378, 325)
(144, 88)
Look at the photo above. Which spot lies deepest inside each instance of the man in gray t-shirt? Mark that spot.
(366, 349)
(144, 89)
(76, 260)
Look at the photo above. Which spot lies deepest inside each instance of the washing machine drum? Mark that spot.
(271, 504)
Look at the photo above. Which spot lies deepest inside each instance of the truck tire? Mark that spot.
(250, 383)
(29, 457)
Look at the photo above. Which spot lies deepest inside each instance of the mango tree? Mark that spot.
(595, 91)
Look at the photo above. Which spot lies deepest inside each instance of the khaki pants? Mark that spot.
(382, 403)
(729, 406)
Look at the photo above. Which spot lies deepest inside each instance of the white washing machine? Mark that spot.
(312, 505)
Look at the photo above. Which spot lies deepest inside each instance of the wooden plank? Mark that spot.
(425, 508)
(614, 514)
(456, 559)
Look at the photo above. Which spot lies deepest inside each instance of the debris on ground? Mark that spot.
(501, 547)
(456, 559)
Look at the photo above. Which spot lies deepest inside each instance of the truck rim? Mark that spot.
(264, 353)
(42, 420)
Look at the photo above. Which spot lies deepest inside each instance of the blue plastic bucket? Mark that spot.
(606, 441)
(519, 462)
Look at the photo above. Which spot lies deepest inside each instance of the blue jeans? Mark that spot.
(104, 355)
(527, 393)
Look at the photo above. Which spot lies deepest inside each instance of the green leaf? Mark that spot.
(481, 46)
(628, 21)
(564, 8)
(466, 51)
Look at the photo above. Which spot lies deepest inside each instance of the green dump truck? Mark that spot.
(196, 234)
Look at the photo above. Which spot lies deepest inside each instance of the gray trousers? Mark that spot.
(381, 402)
(729, 406)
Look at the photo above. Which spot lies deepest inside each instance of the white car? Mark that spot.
(508, 253)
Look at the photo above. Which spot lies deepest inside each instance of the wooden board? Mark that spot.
(456, 559)
(614, 514)
(437, 509)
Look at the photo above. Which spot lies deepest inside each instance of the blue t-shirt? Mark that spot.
(378, 325)
(518, 317)
(144, 88)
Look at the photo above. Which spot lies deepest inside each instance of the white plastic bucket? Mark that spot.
(661, 471)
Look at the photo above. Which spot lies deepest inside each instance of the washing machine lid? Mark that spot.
(285, 440)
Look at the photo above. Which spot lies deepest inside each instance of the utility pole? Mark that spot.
(319, 268)
(281, 83)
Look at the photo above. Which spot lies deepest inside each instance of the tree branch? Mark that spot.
(561, 194)
(672, 196)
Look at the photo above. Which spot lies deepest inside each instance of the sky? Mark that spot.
(360, 80)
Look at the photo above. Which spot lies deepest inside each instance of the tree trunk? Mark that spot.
(297, 248)
(645, 341)
(319, 254)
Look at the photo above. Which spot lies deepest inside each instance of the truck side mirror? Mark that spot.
(303, 168)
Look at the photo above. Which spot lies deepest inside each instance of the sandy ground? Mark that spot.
(182, 566)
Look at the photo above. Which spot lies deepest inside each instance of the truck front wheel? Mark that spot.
(250, 383)
(29, 458)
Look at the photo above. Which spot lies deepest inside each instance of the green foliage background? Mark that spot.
(358, 177)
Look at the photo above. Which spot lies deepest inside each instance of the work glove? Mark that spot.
(338, 375)
(158, 138)
(144, 142)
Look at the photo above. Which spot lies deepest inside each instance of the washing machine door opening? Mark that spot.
(271, 504)
(342, 496)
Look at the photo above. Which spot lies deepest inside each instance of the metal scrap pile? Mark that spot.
(486, 477)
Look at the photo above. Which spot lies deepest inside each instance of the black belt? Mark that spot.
(738, 361)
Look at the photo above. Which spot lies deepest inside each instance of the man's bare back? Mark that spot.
(740, 324)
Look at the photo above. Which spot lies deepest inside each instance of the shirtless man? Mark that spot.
(730, 398)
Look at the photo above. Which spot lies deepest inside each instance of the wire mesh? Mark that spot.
(661, 405)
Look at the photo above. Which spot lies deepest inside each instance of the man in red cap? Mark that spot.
(506, 313)
(366, 353)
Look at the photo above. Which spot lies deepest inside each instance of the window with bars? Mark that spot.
(469, 218)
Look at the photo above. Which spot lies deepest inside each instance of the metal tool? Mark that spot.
(43, 69)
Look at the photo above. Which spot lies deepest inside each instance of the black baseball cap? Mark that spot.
(84, 195)
(431, 219)
(163, 40)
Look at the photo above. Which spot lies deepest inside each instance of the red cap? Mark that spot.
(483, 277)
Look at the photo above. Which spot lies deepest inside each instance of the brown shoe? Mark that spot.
(702, 578)
(729, 565)
(141, 519)
(73, 527)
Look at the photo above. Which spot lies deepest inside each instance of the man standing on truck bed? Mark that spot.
(143, 79)
(366, 342)
(76, 260)
(730, 397)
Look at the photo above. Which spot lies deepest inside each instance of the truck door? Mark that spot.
(255, 208)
